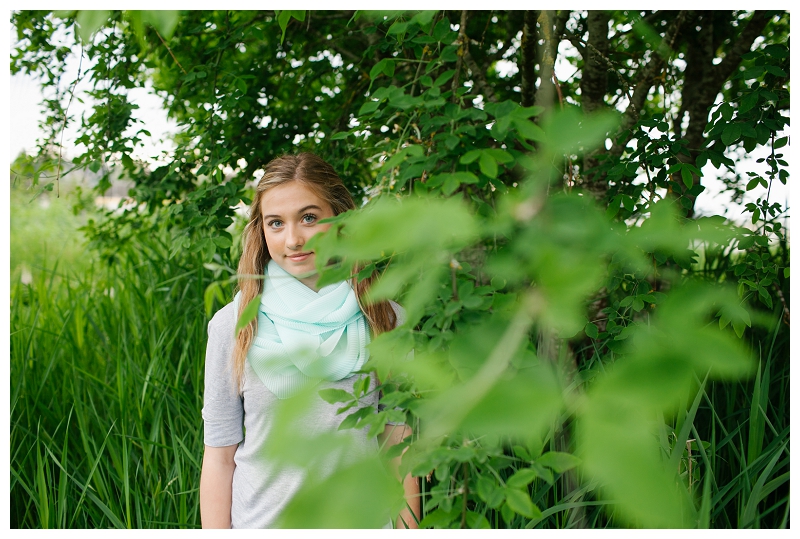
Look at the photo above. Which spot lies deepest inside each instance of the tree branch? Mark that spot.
(480, 78)
(462, 44)
(646, 79)
(733, 57)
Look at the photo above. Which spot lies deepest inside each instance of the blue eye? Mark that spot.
(309, 218)
(275, 223)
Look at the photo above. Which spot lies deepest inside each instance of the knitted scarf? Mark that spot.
(305, 336)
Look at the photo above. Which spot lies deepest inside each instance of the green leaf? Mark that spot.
(527, 112)
(213, 291)
(222, 241)
(449, 53)
(444, 77)
(490, 492)
(470, 157)
(364, 484)
(521, 452)
(501, 156)
(488, 165)
(451, 141)
(727, 111)
(521, 503)
(731, 133)
(777, 50)
(248, 314)
(591, 330)
(397, 28)
(559, 462)
(542, 472)
(528, 129)
(724, 319)
(439, 518)
(786, 272)
(476, 521)
(521, 478)
(765, 296)
(775, 70)
(442, 29)
(286, 15)
(747, 241)
(333, 395)
(748, 102)
(162, 20)
(452, 180)
(423, 17)
(381, 67)
(686, 175)
(352, 420)
(89, 21)
(738, 327)
(368, 108)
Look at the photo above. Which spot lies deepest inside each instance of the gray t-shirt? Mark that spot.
(260, 490)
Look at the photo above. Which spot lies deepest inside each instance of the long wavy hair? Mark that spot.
(319, 176)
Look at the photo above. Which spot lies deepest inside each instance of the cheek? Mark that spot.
(270, 242)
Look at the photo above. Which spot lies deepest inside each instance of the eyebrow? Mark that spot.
(301, 210)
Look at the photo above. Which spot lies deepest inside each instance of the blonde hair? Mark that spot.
(319, 176)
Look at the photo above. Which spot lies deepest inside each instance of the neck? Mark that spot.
(310, 281)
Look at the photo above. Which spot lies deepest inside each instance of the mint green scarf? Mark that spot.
(305, 336)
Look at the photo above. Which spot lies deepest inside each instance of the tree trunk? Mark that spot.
(594, 85)
(528, 67)
(546, 93)
(703, 80)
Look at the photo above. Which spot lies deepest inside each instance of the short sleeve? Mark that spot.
(399, 312)
(223, 409)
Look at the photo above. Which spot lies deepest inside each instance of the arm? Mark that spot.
(392, 435)
(216, 482)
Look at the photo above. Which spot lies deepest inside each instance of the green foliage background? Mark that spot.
(581, 349)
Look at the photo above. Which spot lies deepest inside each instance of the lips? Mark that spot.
(299, 257)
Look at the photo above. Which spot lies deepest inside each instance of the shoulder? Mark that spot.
(224, 321)
(399, 312)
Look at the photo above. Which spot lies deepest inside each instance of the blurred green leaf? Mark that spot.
(285, 16)
(559, 462)
(328, 502)
(521, 503)
(89, 21)
(335, 395)
(162, 20)
(248, 314)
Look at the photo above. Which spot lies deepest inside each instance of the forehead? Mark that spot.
(290, 198)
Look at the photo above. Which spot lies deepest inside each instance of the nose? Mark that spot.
(294, 238)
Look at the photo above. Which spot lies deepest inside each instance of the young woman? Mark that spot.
(302, 334)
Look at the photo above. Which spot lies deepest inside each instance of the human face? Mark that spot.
(291, 214)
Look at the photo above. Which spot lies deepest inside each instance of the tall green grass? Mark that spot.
(106, 392)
